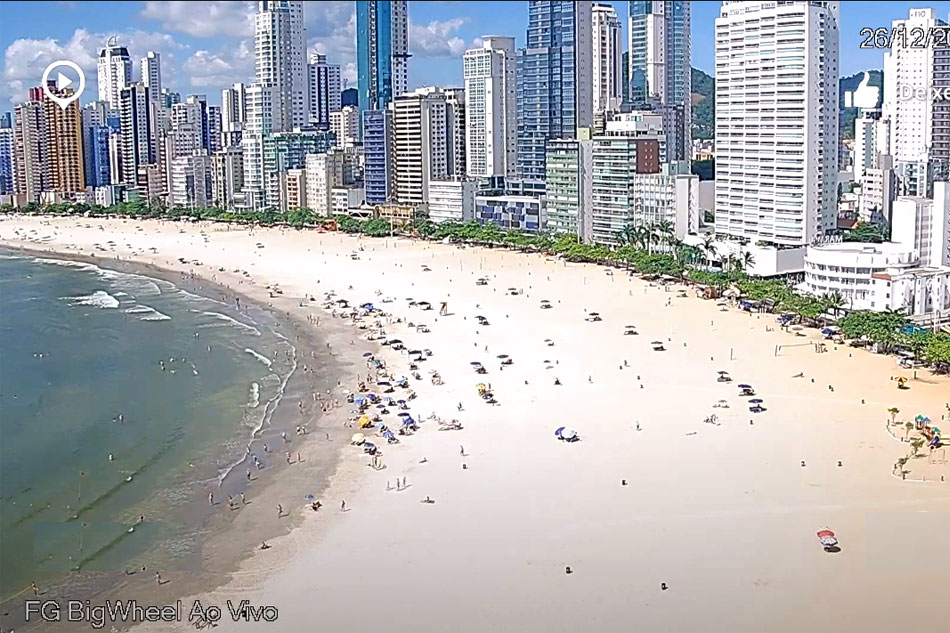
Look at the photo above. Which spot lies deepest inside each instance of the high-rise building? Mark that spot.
(345, 126)
(555, 83)
(324, 172)
(455, 102)
(96, 166)
(607, 51)
(323, 93)
(115, 72)
(491, 112)
(280, 57)
(137, 143)
(569, 186)
(214, 129)
(233, 108)
(382, 51)
(377, 155)
(169, 98)
(228, 177)
(288, 150)
(7, 155)
(631, 146)
(31, 167)
(191, 180)
(660, 66)
(777, 124)
(424, 142)
(6, 120)
(914, 79)
(64, 143)
(152, 74)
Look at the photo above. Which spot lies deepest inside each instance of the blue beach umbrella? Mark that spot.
(309, 497)
(558, 432)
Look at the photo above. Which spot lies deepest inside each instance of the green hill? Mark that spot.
(704, 105)
(847, 116)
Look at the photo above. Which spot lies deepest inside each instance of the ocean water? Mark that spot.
(94, 434)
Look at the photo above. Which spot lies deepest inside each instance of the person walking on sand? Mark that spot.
(280, 510)
(210, 498)
(461, 450)
(158, 578)
(35, 588)
(343, 506)
(243, 501)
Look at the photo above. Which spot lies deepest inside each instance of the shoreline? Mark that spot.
(229, 541)
(723, 514)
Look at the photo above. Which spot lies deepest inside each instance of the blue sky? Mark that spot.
(207, 45)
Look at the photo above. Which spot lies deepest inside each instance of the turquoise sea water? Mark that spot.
(94, 434)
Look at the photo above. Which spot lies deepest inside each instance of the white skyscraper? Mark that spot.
(918, 117)
(424, 130)
(324, 87)
(607, 58)
(400, 46)
(152, 74)
(345, 124)
(777, 123)
(491, 122)
(191, 180)
(115, 72)
(280, 61)
(277, 100)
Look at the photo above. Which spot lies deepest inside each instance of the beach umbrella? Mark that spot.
(503, 356)
(559, 430)
(395, 341)
(722, 372)
(827, 331)
(657, 343)
(595, 314)
(358, 438)
(756, 401)
(745, 386)
(474, 363)
(403, 414)
(936, 430)
(568, 433)
(367, 354)
(309, 497)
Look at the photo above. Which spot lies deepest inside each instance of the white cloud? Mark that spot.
(437, 38)
(221, 69)
(204, 19)
(25, 59)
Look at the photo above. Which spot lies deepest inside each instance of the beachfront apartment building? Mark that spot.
(138, 146)
(31, 171)
(191, 180)
(280, 49)
(659, 67)
(569, 191)
(923, 224)
(491, 123)
(606, 59)
(346, 198)
(425, 134)
(632, 145)
(323, 173)
(288, 150)
(377, 156)
(227, 165)
(555, 81)
(7, 156)
(64, 147)
(452, 200)
(777, 121)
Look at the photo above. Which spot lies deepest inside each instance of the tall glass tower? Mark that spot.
(660, 66)
(555, 82)
(382, 52)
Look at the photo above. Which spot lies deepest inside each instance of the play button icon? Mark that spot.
(64, 81)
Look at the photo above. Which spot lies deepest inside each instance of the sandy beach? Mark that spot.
(666, 522)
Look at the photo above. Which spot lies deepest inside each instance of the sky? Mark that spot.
(206, 46)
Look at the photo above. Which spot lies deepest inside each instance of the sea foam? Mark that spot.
(99, 299)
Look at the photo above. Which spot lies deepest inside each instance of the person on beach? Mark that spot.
(247, 473)
(280, 511)
(461, 450)
(343, 506)
(210, 498)
(35, 588)
(243, 500)
(230, 502)
(158, 578)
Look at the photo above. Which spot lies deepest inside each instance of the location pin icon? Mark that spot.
(62, 81)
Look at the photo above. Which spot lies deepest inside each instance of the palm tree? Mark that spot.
(626, 235)
(709, 248)
(834, 301)
(665, 231)
(893, 411)
(748, 260)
